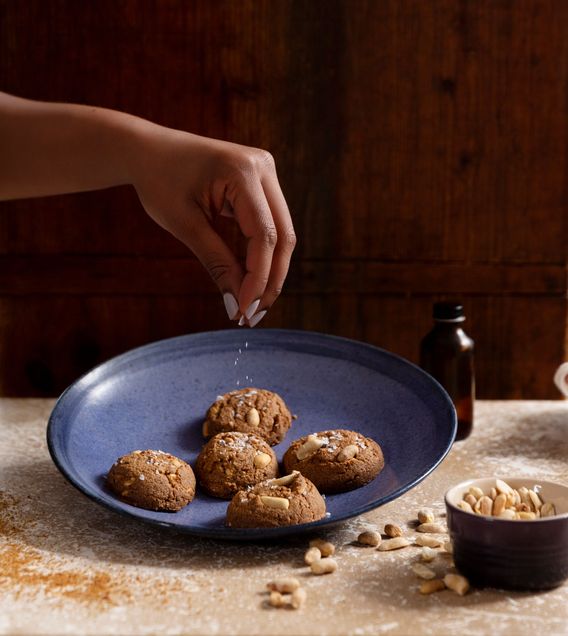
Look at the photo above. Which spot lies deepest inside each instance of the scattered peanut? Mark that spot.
(392, 530)
(457, 583)
(369, 538)
(430, 527)
(425, 515)
(276, 599)
(393, 544)
(324, 566)
(298, 598)
(279, 503)
(261, 460)
(312, 555)
(285, 585)
(435, 585)
(325, 547)
(428, 554)
(253, 417)
(423, 571)
(309, 447)
(347, 453)
(425, 540)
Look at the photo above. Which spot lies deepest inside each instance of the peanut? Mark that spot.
(535, 500)
(430, 542)
(457, 583)
(284, 481)
(324, 566)
(503, 487)
(499, 504)
(428, 554)
(423, 571)
(253, 417)
(448, 547)
(464, 505)
(475, 492)
(309, 447)
(278, 503)
(392, 530)
(425, 516)
(508, 513)
(276, 599)
(430, 527)
(470, 499)
(261, 460)
(347, 453)
(298, 598)
(285, 585)
(325, 547)
(526, 516)
(312, 555)
(435, 585)
(493, 493)
(369, 538)
(484, 505)
(548, 509)
(393, 544)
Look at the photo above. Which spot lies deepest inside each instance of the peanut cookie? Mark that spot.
(250, 410)
(286, 501)
(152, 479)
(231, 461)
(335, 460)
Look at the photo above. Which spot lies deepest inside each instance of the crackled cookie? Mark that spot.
(285, 501)
(335, 460)
(232, 461)
(256, 411)
(152, 479)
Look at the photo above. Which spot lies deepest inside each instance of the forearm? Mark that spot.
(50, 148)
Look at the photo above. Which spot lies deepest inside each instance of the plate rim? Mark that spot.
(239, 534)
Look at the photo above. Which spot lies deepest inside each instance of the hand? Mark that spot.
(184, 181)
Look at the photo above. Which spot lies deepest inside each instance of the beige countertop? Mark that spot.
(68, 565)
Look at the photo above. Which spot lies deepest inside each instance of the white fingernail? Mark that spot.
(242, 321)
(249, 313)
(231, 305)
(257, 318)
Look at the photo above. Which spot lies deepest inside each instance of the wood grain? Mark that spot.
(421, 147)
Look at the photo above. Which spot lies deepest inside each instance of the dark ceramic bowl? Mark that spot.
(515, 555)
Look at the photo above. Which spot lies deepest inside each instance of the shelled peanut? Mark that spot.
(506, 502)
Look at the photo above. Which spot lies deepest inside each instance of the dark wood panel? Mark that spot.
(81, 275)
(421, 147)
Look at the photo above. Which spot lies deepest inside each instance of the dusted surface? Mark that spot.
(69, 566)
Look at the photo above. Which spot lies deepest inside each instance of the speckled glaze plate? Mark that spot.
(156, 397)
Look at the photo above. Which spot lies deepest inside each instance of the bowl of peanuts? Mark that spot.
(510, 533)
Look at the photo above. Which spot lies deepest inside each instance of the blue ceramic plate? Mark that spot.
(156, 397)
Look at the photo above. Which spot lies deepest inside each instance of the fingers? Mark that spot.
(254, 217)
(262, 213)
(218, 260)
(285, 244)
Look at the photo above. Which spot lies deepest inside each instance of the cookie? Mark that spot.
(256, 411)
(153, 480)
(232, 461)
(335, 460)
(286, 501)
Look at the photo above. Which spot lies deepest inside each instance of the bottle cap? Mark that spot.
(448, 311)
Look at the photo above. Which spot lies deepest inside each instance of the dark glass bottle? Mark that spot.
(446, 353)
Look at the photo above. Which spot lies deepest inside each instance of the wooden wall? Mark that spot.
(422, 147)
